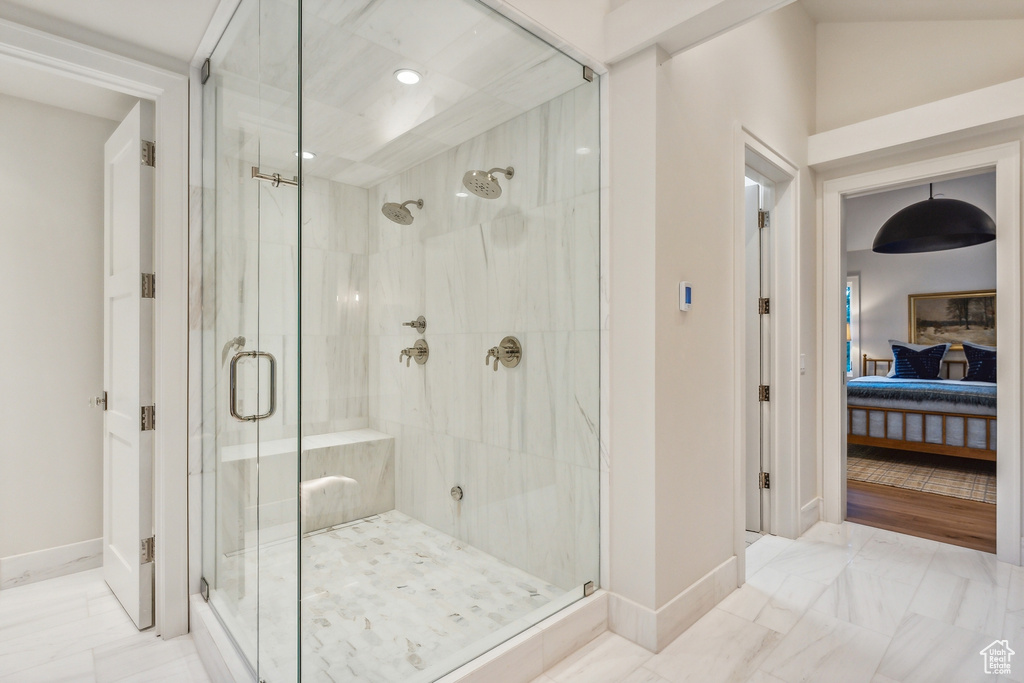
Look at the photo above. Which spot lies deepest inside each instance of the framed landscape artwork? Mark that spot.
(953, 317)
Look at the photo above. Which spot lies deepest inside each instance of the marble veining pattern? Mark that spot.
(842, 604)
(385, 599)
(72, 628)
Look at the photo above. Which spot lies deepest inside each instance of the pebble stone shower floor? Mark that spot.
(385, 598)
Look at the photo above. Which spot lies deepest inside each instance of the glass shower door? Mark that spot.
(250, 290)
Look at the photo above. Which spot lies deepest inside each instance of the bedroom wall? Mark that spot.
(875, 68)
(51, 267)
(887, 279)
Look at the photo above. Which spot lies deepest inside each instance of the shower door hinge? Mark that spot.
(588, 74)
(763, 219)
(762, 392)
(204, 588)
(588, 589)
(764, 481)
(764, 305)
(148, 153)
(149, 285)
(148, 418)
(204, 73)
(147, 550)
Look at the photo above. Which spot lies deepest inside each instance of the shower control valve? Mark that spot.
(508, 352)
(419, 324)
(418, 352)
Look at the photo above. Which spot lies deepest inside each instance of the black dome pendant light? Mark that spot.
(934, 225)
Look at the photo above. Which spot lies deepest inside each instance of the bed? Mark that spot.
(944, 416)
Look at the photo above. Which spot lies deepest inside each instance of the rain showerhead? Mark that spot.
(398, 213)
(484, 184)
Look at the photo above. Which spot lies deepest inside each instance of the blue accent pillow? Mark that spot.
(923, 364)
(913, 347)
(981, 363)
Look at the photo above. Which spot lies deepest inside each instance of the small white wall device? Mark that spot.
(685, 296)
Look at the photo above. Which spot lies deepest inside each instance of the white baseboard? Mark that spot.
(810, 514)
(654, 629)
(18, 570)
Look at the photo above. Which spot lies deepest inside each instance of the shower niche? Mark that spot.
(333, 542)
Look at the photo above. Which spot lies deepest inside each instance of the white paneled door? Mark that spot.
(128, 366)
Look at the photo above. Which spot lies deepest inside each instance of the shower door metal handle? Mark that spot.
(233, 390)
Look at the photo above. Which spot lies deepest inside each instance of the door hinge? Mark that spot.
(204, 588)
(762, 392)
(148, 418)
(588, 589)
(764, 305)
(99, 401)
(147, 550)
(149, 285)
(764, 481)
(763, 219)
(148, 153)
(204, 73)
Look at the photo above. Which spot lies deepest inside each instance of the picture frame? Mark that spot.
(953, 317)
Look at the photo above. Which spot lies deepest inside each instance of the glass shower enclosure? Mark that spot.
(400, 335)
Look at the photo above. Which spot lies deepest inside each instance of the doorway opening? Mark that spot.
(1004, 159)
(921, 456)
(759, 192)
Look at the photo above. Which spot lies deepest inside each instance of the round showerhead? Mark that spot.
(484, 183)
(398, 213)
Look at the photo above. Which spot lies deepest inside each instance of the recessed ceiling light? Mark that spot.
(307, 155)
(461, 194)
(583, 150)
(408, 76)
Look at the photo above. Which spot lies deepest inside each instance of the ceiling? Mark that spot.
(864, 215)
(828, 11)
(167, 27)
(479, 70)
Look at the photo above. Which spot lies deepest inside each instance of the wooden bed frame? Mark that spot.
(987, 453)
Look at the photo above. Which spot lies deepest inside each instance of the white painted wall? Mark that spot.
(870, 69)
(711, 89)
(684, 453)
(51, 198)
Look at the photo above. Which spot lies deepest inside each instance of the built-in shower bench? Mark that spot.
(345, 475)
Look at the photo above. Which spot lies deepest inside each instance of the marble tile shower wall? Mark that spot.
(257, 295)
(521, 442)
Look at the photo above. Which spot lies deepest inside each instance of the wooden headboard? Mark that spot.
(888, 366)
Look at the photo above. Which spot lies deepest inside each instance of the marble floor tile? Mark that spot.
(924, 650)
(821, 562)
(76, 667)
(895, 556)
(748, 600)
(970, 604)
(763, 551)
(789, 603)
(72, 628)
(609, 658)
(971, 564)
(867, 600)
(719, 647)
(644, 675)
(847, 534)
(823, 648)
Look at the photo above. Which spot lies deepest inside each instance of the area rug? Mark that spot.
(946, 476)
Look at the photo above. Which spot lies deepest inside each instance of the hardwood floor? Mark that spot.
(941, 518)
